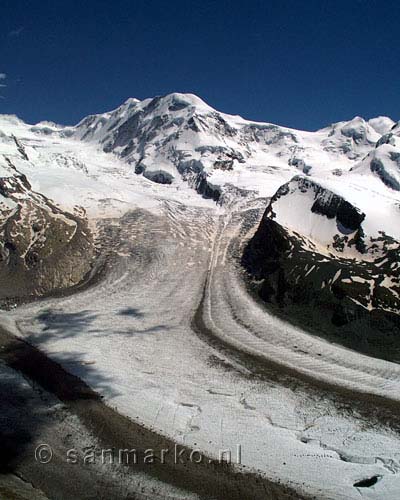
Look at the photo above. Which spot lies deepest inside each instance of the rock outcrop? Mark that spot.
(312, 262)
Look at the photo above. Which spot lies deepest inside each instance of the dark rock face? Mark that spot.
(205, 189)
(300, 164)
(160, 177)
(337, 207)
(341, 299)
(328, 204)
(125, 132)
(358, 134)
(346, 214)
(42, 248)
(385, 139)
(378, 168)
(223, 164)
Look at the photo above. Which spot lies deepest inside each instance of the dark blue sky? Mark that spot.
(301, 64)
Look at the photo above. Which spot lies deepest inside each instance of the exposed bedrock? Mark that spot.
(158, 176)
(325, 202)
(354, 301)
(42, 248)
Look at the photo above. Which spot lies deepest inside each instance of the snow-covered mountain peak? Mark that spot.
(176, 101)
(383, 163)
(381, 124)
(356, 129)
(335, 191)
(178, 136)
(179, 139)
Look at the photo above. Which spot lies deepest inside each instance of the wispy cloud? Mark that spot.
(3, 76)
(16, 31)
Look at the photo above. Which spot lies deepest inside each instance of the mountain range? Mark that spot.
(327, 243)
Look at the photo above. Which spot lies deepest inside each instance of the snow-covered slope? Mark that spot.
(327, 250)
(172, 146)
(179, 136)
(42, 246)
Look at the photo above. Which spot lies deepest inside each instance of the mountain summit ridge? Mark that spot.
(175, 145)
